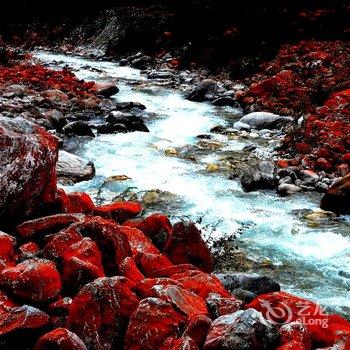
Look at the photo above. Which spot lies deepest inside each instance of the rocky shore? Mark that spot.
(75, 274)
(79, 276)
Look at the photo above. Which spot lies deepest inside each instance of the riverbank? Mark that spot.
(82, 276)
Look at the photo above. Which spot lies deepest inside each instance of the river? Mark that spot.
(313, 262)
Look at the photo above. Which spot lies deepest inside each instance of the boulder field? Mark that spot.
(78, 276)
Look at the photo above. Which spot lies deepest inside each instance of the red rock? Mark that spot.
(283, 308)
(60, 339)
(77, 202)
(219, 306)
(153, 321)
(183, 343)
(76, 273)
(129, 270)
(294, 345)
(47, 225)
(119, 211)
(323, 164)
(184, 301)
(110, 239)
(201, 283)
(156, 227)
(28, 251)
(185, 245)
(295, 332)
(60, 242)
(7, 250)
(59, 311)
(85, 250)
(100, 311)
(148, 263)
(173, 270)
(139, 243)
(144, 287)
(346, 157)
(20, 318)
(198, 329)
(281, 163)
(29, 153)
(40, 78)
(34, 280)
(337, 199)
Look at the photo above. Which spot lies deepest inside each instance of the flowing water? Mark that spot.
(313, 262)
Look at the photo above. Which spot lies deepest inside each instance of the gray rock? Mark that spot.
(73, 168)
(287, 189)
(258, 180)
(250, 282)
(309, 176)
(78, 128)
(265, 120)
(141, 62)
(243, 330)
(245, 295)
(205, 87)
(225, 101)
(107, 90)
(160, 75)
(241, 126)
(267, 167)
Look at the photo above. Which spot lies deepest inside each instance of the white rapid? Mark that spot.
(306, 261)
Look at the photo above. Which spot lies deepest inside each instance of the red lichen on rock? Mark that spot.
(186, 245)
(34, 280)
(153, 321)
(310, 79)
(100, 312)
(60, 339)
(40, 78)
(119, 211)
(28, 178)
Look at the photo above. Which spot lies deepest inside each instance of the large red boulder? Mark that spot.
(148, 263)
(337, 199)
(18, 323)
(219, 306)
(100, 311)
(201, 283)
(153, 321)
(57, 244)
(129, 269)
(38, 228)
(110, 238)
(28, 161)
(119, 211)
(76, 202)
(7, 250)
(35, 280)
(139, 243)
(186, 245)
(59, 311)
(156, 227)
(186, 302)
(197, 329)
(60, 339)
